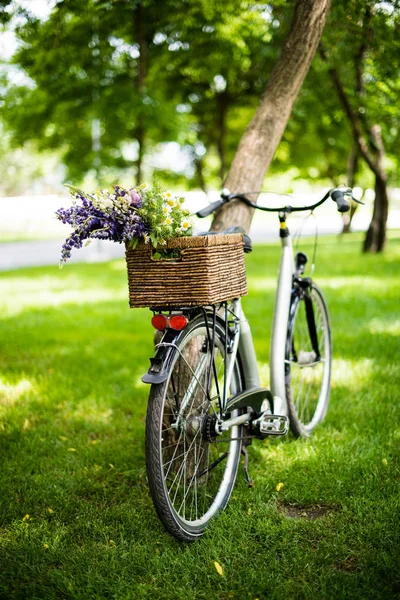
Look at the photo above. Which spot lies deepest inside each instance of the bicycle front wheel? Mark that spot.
(191, 470)
(308, 360)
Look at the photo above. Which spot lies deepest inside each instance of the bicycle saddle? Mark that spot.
(248, 245)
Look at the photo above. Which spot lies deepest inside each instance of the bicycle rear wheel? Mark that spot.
(191, 471)
(308, 360)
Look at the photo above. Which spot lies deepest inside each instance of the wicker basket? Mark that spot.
(210, 270)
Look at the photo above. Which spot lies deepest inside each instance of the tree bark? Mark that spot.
(141, 87)
(262, 136)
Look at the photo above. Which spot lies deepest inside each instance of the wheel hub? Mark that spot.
(209, 428)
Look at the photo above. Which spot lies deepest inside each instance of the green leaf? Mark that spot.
(133, 243)
(73, 189)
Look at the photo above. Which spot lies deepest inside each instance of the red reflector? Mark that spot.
(178, 322)
(159, 322)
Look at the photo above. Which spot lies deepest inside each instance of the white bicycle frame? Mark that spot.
(244, 343)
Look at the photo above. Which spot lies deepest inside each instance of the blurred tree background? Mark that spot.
(121, 90)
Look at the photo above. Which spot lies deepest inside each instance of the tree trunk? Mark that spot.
(141, 87)
(199, 163)
(371, 150)
(376, 234)
(262, 136)
(222, 105)
(373, 154)
(352, 167)
(140, 141)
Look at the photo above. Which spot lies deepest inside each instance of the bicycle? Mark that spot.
(206, 403)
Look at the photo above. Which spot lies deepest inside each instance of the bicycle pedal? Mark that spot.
(272, 425)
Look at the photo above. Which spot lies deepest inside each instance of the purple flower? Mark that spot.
(94, 218)
(135, 198)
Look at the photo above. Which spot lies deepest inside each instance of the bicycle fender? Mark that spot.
(160, 362)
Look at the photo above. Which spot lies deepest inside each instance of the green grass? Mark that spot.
(72, 410)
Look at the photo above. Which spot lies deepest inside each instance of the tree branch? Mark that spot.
(352, 117)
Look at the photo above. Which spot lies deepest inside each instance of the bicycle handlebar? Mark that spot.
(204, 212)
(337, 195)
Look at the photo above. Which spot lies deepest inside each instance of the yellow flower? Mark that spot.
(45, 546)
(279, 486)
(170, 202)
(218, 568)
(384, 461)
(50, 510)
(26, 518)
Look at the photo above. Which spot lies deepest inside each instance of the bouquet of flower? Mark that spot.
(124, 216)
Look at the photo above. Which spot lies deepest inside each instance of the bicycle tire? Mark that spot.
(307, 377)
(179, 448)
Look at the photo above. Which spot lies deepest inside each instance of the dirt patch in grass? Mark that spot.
(311, 512)
(348, 566)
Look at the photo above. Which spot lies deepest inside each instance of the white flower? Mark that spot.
(124, 200)
(102, 203)
(166, 209)
(168, 221)
(185, 225)
(146, 238)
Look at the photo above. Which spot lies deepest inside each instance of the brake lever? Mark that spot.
(349, 192)
(358, 201)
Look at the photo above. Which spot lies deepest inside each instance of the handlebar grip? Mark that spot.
(342, 204)
(204, 212)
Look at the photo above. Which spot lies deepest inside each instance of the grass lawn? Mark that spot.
(76, 520)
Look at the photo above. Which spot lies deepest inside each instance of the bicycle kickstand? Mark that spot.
(245, 466)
